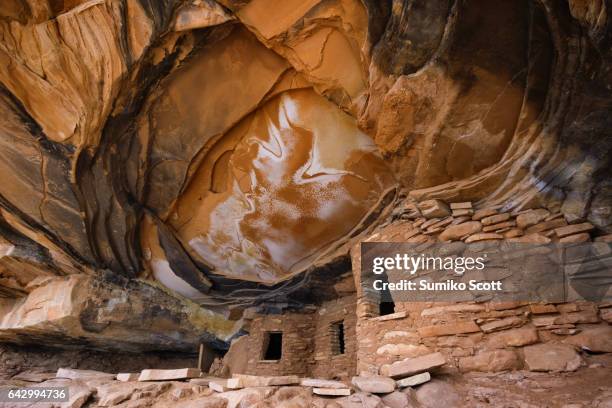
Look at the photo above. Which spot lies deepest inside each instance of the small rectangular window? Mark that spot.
(273, 346)
(386, 308)
(337, 338)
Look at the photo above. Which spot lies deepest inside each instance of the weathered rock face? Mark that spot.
(133, 317)
(232, 151)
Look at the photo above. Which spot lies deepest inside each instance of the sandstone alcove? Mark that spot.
(186, 172)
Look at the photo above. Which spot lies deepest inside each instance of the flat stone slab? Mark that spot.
(512, 338)
(33, 376)
(234, 384)
(218, 386)
(375, 384)
(483, 236)
(464, 212)
(434, 209)
(495, 219)
(166, 375)
(204, 380)
(490, 361)
(75, 374)
(532, 217)
(265, 381)
(128, 377)
(414, 380)
(415, 365)
(461, 206)
(448, 329)
(392, 316)
(552, 357)
(502, 324)
(317, 383)
(454, 232)
(483, 213)
(332, 391)
(573, 229)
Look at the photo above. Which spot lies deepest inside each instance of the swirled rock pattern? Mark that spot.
(231, 151)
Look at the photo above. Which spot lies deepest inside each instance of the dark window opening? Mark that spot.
(386, 308)
(337, 338)
(385, 305)
(273, 346)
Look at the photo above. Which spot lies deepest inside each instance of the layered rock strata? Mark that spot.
(234, 151)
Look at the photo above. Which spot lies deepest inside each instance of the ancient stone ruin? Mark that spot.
(188, 186)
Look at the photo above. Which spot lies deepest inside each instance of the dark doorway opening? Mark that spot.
(386, 308)
(337, 338)
(273, 346)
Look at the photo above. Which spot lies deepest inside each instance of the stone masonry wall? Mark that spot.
(327, 363)
(308, 342)
(480, 336)
(298, 333)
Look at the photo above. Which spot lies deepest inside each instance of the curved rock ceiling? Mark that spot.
(233, 147)
(298, 176)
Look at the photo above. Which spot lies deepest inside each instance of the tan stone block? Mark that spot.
(568, 307)
(374, 384)
(502, 324)
(513, 233)
(461, 206)
(576, 238)
(455, 232)
(413, 366)
(542, 308)
(463, 213)
(458, 308)
(532, 217)
(483, 236)
(495, 219)
(403, 350)
(218, 386)
(332, 391)
(573, 229)
(392, 316)
(483, 213)
(414, 380)
(434, 208)
(552, 357)
(448, 329)
(318, 383)
(542, 321)
(204, 380)
(166, 375)
(490, 361)
(513, 338)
